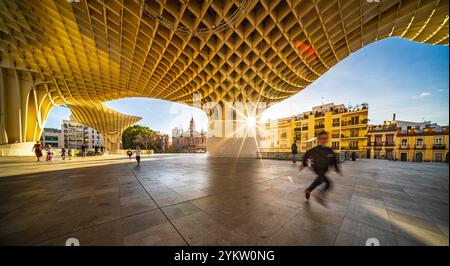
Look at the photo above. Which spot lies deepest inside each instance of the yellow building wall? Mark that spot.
(428, 152)
(286, 135)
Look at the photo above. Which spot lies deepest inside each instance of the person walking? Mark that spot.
(83, 150)
(63, 153)
(322, 158)
(49, 152)
(294, 152)
(129, 153)
(96, 149)
(37, 148)
(69, 153)
(138, 154)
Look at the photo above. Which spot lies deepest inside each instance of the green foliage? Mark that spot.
(143, 136)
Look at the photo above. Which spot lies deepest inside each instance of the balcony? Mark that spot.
(353, 137)
(420, 146)
(390, 144)
(439, 147)
(319, 126)
(335, 136)
(336, 124)
(353, 124)
(378, 144)
(404, 146)
(305, 128)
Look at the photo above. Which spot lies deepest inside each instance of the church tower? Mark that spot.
(192, 127)
(191, 132)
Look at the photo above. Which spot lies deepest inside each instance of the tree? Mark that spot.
(143, 136)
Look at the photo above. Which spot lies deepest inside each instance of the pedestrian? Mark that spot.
(49, 152)
(322, 158)
(138, 154)
(353, 156)
(102, 149)
(294, 152)
(96, 149)
(70, 153)
(83, 150)
(129, 153)
(37, 148)
(63, 153)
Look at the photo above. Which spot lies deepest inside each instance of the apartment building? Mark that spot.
(429, 144)
(347, 127)
(381, 141)
(75, 134)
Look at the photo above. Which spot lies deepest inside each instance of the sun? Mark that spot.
(251, 121)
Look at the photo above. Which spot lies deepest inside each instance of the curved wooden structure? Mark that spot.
(88, 52)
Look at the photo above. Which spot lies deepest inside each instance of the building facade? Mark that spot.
(408, 141)
(75, 134)
(381, 141)
(165, 143)
(427, 145)
(53, 137)
(347, 127)
(188, 141)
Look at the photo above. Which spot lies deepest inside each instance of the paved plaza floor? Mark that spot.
(193, 199)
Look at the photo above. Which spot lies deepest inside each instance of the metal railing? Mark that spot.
(439, 146)
(420, 146)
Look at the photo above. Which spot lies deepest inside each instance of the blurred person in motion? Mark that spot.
(138, 154)
(70, 153)
(49, 152)
(83, 150)
(322, 158)
(294, 152)
(63, 153)
(37, 148)
(129, 153)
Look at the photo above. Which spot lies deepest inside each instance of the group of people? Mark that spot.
(97, 150)
(39, 150)
(319, 159)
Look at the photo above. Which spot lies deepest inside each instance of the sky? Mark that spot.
(393, 75)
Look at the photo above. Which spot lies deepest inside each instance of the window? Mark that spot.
(438, 141)
(353, 145)
(419, 141)
(389, 139)
(335, 145)
(378, 140)
(354, 133)
(438, 157)
(50, 138)
(336, 122)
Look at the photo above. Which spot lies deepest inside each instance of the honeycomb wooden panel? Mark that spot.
(247, 50)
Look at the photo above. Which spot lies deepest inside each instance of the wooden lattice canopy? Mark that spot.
(246, 50)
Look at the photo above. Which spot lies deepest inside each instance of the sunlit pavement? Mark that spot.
(192, 199)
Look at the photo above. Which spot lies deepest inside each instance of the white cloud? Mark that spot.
(422, 95)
